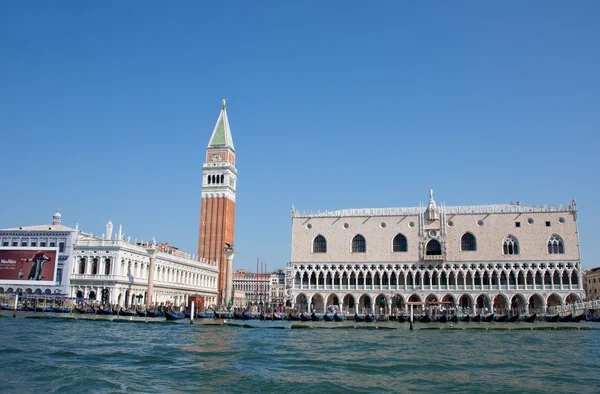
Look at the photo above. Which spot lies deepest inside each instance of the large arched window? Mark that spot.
(433, 248)
(359, 245)
(468, 242)
(320, 244)
(511, 245)
(400, 244)
(555, 245)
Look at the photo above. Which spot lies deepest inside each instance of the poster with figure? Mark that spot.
(28, 265)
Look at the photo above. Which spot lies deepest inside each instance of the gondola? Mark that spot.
(204, 315)
(314, 317)
(305, 317)
(125, 312)
(425, 319)
(489, 318)
(238, 316)
(174, 315)
(401, 319)
(579, 318)
(454, 319)
(466, 319)
(327, 317)
(277, 317)
(530, 319)
(42, 309)
(566, 319)
(84, 310)
(336, 317)
(501, 319)
(552, 319)
(108, 311)
(248, 316)
(359, 319)
(476, 318)
(294, 317)
(369, 319)
(221, 315)
(513, 319)
(442, 319)
(150, 313)
(60, 310)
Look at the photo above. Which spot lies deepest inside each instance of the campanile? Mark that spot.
(217, 209)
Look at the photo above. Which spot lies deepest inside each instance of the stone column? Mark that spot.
(149, 297)
(229, 253)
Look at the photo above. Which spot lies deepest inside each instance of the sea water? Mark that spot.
(67, 356)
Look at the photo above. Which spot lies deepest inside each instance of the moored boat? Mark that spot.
(125, 312)
(101, 311)
(489, 318)
(501, 319)
(277, 316)
(513, 319)
(425, 319)
(454, 319)
(314, 317)
(369, 318)
(294, 317)
(466, 319)
(337, 317)
(60, 310)
(530, 319)
(476, 318)
(359, 319)
(328, 317)
(402, 319)
(174, 315)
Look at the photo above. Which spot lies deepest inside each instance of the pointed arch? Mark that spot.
(556, 245)
(510, 245)
(468, 242)
(319, 244)
(400, 243)
(359, 244)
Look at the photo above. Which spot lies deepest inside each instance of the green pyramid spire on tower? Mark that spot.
(221, 135)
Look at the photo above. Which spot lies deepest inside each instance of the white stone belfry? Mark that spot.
(56, 218)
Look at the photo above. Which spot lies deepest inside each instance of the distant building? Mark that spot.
(217, 209)
(505, 257)
(256, 287)
(277, 289)
(591, 281)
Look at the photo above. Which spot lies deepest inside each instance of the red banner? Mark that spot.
(28, 264)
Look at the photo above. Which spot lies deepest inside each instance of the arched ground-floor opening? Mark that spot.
(536, 304)
(482, 303)
(333, 302)
(381, 302)
(364, 304)
(465, 305)
(517, 305)
(398, 304)
(572, 298)
(349, 304)
(318, 305)
(301, 302)
(553, 301)
(500, 305)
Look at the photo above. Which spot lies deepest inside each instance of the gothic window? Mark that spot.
(359, 245)
(400, 244)
(320, 244)
(511, 245)
(555, 245)
(433, 248)
(468, 242)
(208, 179)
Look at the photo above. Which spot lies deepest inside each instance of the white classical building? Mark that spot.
(41, 237)
(503, 257)
(111, 270)
(116, 271)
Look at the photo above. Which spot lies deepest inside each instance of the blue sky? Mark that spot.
(106, 109)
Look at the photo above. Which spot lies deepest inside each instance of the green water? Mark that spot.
(55, 355)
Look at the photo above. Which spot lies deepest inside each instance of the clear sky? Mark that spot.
(106, 109)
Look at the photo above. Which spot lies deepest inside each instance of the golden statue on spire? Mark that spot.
(224, 102)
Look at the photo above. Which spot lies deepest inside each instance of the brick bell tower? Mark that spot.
(217, 209)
